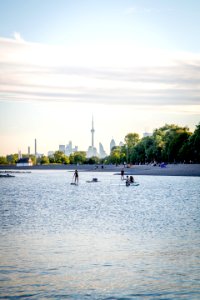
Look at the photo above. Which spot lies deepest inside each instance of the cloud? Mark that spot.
(112, 75)
(146, 10)
(18, 37)
(130, 10)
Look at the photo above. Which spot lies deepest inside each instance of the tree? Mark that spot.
(115, 155)
(60, 158)
(44, 160)
(131, 140)
(12, 158)
(175, 137)
(93, 160)
(137, 153)
(194, 142)
(79, 157)
(158, 144)
(51, 159)
(3, 160)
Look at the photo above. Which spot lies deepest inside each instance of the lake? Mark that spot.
(99, 240)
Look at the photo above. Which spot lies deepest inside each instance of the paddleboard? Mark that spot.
(89, 181)
(122, 184)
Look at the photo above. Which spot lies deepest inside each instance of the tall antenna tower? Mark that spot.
(92, 131)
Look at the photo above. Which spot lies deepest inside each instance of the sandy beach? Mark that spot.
(169, 170)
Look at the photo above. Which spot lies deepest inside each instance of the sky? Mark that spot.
(134, 65)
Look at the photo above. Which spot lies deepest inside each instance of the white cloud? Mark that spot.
(130, 10)
(111, 74)
(17, 37)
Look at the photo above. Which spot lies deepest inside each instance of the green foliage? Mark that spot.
(194, 143)
(12, 158)
(174, 139)
(60, 158)
(78, 157)
(116, 156)
(44, 160)
(3, 160)
(131, 139)
(93, 160)
(170, 143)
(51, 159)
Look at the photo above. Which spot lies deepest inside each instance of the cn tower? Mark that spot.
(92, 131)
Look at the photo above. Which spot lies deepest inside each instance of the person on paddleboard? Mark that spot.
(76, 176)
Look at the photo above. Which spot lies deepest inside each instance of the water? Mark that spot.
(99, 240)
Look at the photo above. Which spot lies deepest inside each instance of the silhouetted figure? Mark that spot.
(76, 176)
(122, 174)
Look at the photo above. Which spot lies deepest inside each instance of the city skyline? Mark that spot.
(134, 65)
(68, 149)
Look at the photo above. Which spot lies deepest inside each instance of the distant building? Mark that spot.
(19, 154)
(145, 134)
(121, 144)
(68, 149)
(102, 152)
(62, 148)
(112, 144)
(92, 151)
(75, 149)
(50, 153)
(24, 162)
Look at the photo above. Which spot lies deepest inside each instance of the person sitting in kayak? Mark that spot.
(127, 181)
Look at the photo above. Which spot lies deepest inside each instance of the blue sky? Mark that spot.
(134, 65)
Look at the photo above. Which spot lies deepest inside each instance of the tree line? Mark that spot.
(170, 144)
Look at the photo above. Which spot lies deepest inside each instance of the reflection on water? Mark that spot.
(99, 240)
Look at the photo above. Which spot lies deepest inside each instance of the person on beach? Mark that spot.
(132, 179)
(127, 181)
(122, 174)
(76, 176)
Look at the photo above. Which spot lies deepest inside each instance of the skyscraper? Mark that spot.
(102, 152)
(35, 147)
(62, 148)
(92, 131)
(112, 144)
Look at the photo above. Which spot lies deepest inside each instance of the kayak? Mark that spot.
(6, 175)
(93, 180)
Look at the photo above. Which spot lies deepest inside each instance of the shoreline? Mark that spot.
(169, 170)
